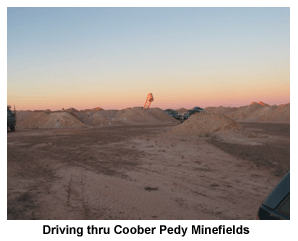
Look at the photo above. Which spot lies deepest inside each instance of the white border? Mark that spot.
(258, 229)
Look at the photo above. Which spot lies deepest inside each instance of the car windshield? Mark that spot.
(285, 207)
(278, 193)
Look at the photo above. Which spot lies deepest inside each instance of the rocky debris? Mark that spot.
(72, 118)
(255, 112)
(49, 120)
(205, 125)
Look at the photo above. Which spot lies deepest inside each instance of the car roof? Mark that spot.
(279, 193)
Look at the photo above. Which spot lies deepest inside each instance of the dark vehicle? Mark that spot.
(11, 119)
(172, 113)
(188, 114)
(276, 205)
(193, 111)
(198, 109)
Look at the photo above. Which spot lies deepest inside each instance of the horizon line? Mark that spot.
(100, 108)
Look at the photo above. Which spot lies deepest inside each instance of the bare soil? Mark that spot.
(272, 154)
(136, 172)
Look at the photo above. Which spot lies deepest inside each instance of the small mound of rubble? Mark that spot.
(255, 112)
(205, 125)
(150, 116)
(62, 120)
(49, 120)
(31, 119)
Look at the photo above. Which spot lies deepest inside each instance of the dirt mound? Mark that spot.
(31, 119)
(262, 103)
(254, 103)
(22, 115)
(84, 117)
(284, 105)
(221, 110)
(244, 112)
(160, 115)
(52, 120)
(62, 120)
(99, 117)
(102, 118)
(200, 125)
(92, 110)
(136, 115)
(261, 114)
(210, 109)
(71, 110)
(111, 113)
(140, 115)
(255, 112)
(280, 114)
(96, 109)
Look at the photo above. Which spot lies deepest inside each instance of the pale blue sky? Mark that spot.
(64, 53)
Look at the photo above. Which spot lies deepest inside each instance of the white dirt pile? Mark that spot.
(92, 110)
(161, 116)
(72, 118)
(62, 120)
(72, 110)
(205, 125)
(244, 112)
(279, 114)
(261, 114)
(51, 120)
(99, 118)
(23, 115)
(136, 115)
(150, 116)
(210, 109)
(31, 119)
(221, 110)
(255, 112)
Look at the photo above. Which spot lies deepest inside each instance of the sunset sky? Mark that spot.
(113, 57)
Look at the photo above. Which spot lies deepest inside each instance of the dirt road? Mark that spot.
(134, 172)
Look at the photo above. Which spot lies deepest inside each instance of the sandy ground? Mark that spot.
(135, 172)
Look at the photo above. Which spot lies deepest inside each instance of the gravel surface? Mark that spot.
(136, 172)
